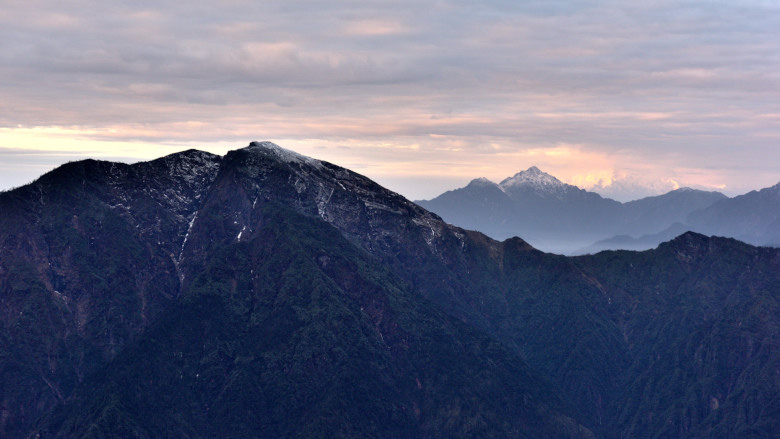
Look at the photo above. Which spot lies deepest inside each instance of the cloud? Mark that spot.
(672, 84)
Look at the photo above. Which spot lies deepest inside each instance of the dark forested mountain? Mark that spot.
(241, 296)
(700, 317)
(88, 258)
(562, 218)
(267, 294)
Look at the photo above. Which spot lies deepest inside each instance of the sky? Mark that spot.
(628, 99)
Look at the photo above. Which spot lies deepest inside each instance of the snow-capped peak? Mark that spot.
(481, 181)
(532, 177)
(283, 154)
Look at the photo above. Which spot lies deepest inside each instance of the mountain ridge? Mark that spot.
(110, 313)
(562, 218)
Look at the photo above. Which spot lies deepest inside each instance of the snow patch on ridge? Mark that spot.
(435, 228)
(187, 235)
(284, 154)
(192, 166)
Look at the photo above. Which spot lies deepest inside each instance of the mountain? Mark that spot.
(627, 242)
(203, 296)
(538, 192)
(480, 205)
(532, 204)
(654, 214)
(536, 183)
(293, 331)
(267, 294)
(562, 218)
(664, 213)
(88, 258)
(753, 217)
(699, 315)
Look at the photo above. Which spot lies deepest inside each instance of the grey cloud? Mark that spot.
(499, 67)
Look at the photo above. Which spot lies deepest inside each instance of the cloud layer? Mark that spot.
(432, 92)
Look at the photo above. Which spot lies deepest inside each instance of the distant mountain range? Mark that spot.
(561, 218)
(268, 294)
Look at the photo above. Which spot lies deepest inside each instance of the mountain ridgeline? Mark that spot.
(562, 218)
(267, 294)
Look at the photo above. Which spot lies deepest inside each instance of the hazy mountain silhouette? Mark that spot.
(753, 217)
(562, 218)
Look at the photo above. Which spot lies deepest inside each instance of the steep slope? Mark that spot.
(517, 294)
(87, 259)
(700, 317)
(294, 332)
(481, 205)
(508, 290)
(124, 273)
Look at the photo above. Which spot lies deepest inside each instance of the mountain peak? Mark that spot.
(271, 149)
(480, 182)
(534, 170)
(532, 177)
